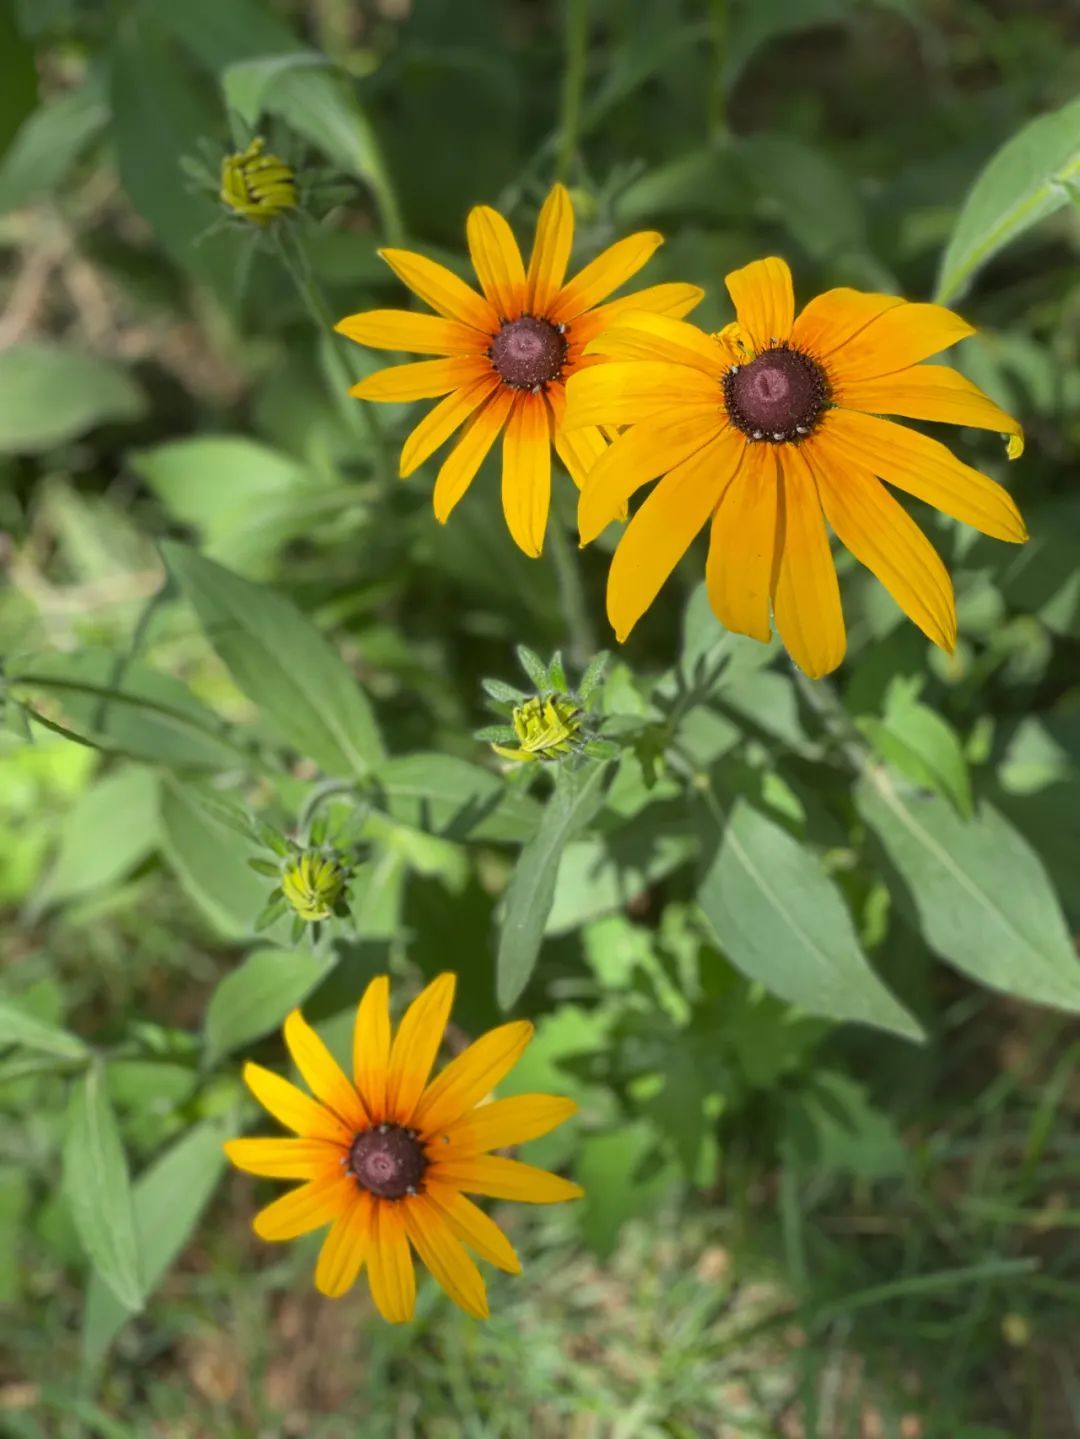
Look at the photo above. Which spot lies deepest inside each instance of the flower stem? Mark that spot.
(577, 40)
(718, 22)
(582, 644)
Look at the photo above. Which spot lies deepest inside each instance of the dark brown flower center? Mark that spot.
(779, 396)
(388, 1160)
(527, 353)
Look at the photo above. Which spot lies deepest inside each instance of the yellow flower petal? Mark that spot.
(473, 1074)
(883, 536)
(371, 1047)
(930, 392)
(665, 526)
(409, 330)
(285, 1158)
(505, 1179)
(636, 457)
(579, 449)
(629, 392)
(675, 300)
(741, 565)
(481, 1234)
(415, 1046)
(807, 598)
(504, 1123)
(551, 250)
(612, 268)
(425, 380)
(322, 1073)
(444, 1255)
(899, 337)
(460, 466)
(293, 1108)
(639, 335)
(443, 421)
(928, 470)
(309, 1207)
(390, 1267)
(526, 473)
(345, 1247)
(833, 318)
(496, 260)
(442, 290)
(764, 300)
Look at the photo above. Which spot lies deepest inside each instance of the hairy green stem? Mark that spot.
(582, 644)
(577, 41)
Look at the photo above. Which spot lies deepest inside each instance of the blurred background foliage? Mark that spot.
(795, 1225)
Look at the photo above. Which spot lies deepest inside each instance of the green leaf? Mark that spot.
(282, 662)
(455, 799)
(921, 745)
(576, 798)
(168, 1199)
(980, 892)
(801, 188)
(19, 1027)
(50, 141)
(112, 827)
(98, 1191)
(219, 35)
(1027, 180)
(210, 860)
(255, 998)
(18, 75)
(782, 922)
(621, 1180)
(49, 395)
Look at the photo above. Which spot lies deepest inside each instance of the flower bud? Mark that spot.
(547, 727)
(313, 884)
(258, 187)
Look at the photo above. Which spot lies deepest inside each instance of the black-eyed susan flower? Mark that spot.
(506, 354)
(388, 1158)
(768, 430)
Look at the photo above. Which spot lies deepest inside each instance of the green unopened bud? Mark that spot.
(313, 884)
(546, 727)
(256, 186)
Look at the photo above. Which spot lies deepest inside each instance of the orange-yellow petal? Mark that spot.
(415, 1046)
(308, 1207)
(472, 1075)
(883, 536)
(629, 392)
(442, 290)
(551, 250)
(640, 335)
(899, 337)
(578, 449)
(425, 380)
(409, 330)
(931, 392)
(460, 466)
(833, 318)
(636, 457)
(345, 1247)
(371, 1047)
(928, 470)
(285, 1158)
(481, 1234)
(443, 421)
(390, 1267)
(496, 260)
(806, 602)
(665, 526)
(504, 1123)
(764, 300)
(611, 268)
(674, 299)
(322, 1073)
(293, 1108)
(444, 1255)
(500, 1178)
(741, 566)
(526, 473)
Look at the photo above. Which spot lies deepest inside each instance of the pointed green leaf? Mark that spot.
(17, 1026)
(255, 998)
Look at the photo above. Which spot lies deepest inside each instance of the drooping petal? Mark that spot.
(630, 392)
(764, 300)
(473, 1074)
(424, 380)
(639, 335)
(835, 317)
(665, 526)
(806, 602)
(636, 457)
(390, 1267)
(931, 392)
(611, 268)
(409, 330)
(481, 1234)
(285, 1158)
(443, 421)
(308, 1207)
(551, 250)
(322, 1073)
(371, 1047)
(740, 569)
(415, 1046)
(444, 1255)
(671, 299)
(504, 1123)
(899, 337)
(526, 473)
(293, 1108)
(578, 449)
(883, 536)
(496, 260)
(460, 466)
(345, 1247)
(500, 1178)
(442, 290)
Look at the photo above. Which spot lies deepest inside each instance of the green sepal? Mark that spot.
(504, 693)
(496, 734)
(264, 866)
(533, 666)
(298, 927)
(556, 673)
(594, 673)
(273, 912)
